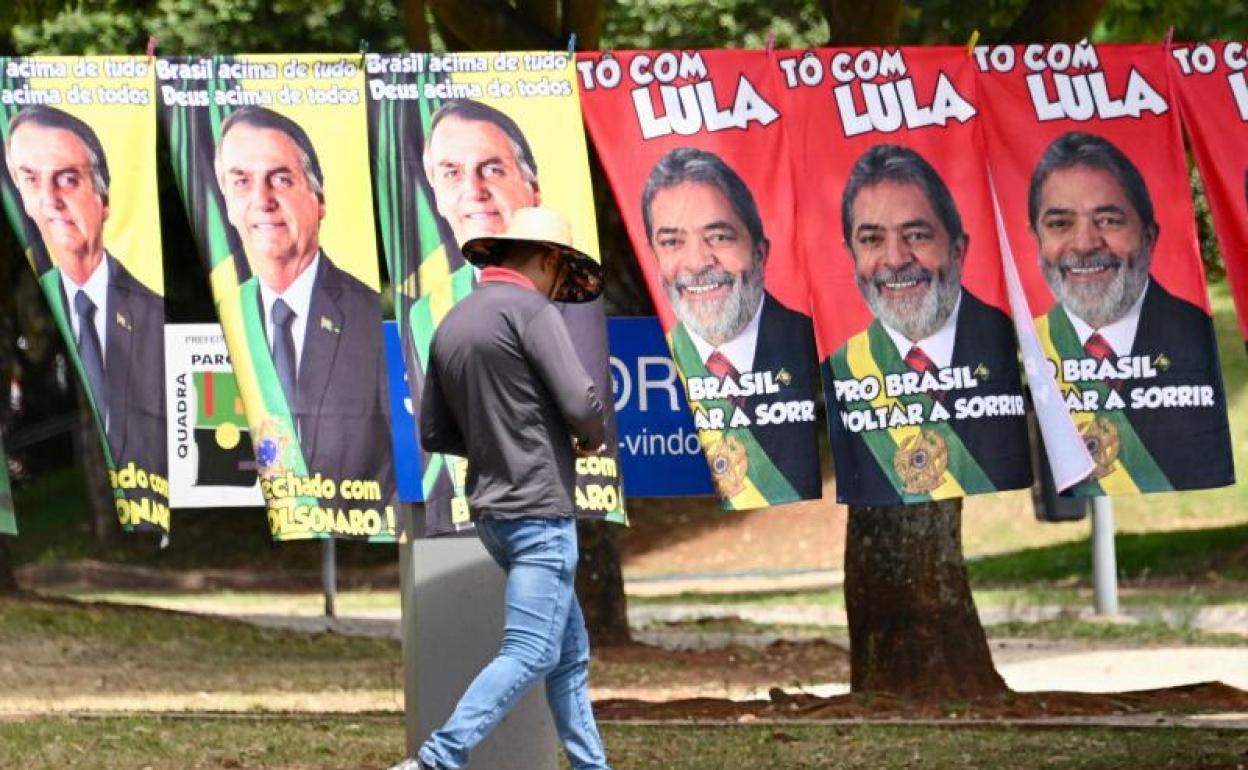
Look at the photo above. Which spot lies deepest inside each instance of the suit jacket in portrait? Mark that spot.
(1190, 445)
(984, 341)
(134, 370)
(342, 410)
(134, 365)
(785, 344)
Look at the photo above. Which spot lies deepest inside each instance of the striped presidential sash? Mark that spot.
(1123, 464)
(923, 462)
(745, 477)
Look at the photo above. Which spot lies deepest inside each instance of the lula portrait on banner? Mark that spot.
(61, 172)
(1133, 359)
(322, 325)
(935, 356)
(708, 241)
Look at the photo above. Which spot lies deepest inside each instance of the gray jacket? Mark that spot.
(504, 388)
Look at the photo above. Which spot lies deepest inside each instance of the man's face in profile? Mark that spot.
(268, 197)
(906, 265)
(476, 177)
(52, 170)
(711, 269)
(1094, 248)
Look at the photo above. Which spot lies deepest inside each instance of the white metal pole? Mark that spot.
(1104, 559)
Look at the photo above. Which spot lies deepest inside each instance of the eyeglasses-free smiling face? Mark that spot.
(270, 201)
(710, 266)
(52, 170)
(906, 265)
(1094, 248)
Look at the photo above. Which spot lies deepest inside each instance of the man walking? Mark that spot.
(505, 389)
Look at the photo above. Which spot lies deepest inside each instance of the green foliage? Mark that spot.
(692, 24)
(1130, 633)
(112, 628)
(952, 21)
(321, 742)
(1184, 555)
(1148, 20)
(1215, 270)
(214, 26)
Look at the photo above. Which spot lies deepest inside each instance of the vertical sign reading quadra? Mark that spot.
(79, 186)
(1087, 160)
(695, 147)
(460, 143)
(271, 156)
(920, 366)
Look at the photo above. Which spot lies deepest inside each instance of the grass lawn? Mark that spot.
(67, 656)
(1229, 594)
(363, 742)
(346, 603)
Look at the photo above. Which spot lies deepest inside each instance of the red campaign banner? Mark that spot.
(1087, 159)
(1211, 82)
(694, 146)
(896, 225)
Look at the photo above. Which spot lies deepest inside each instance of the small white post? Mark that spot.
(1104, 559)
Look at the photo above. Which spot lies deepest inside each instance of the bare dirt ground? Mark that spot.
(1206, 698)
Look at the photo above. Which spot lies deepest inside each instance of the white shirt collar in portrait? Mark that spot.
(298, 297)
(1121, 333)
(740, 349)
(96, 288)
(938, 345)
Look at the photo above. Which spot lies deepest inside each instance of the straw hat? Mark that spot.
(546, 227)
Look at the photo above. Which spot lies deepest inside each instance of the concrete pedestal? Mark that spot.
(452, 626)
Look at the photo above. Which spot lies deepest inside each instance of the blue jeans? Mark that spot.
(543, 636)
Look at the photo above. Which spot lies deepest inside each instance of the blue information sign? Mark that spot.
(660, 454)
(402, 421)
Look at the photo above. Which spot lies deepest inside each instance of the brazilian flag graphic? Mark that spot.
(8, 521)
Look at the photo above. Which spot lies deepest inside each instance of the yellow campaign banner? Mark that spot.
(80, 190)
(460, 143)
(271, 156)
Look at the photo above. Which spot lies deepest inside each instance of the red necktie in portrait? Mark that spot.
(919, 361)
(719, 365)
(1099, 348)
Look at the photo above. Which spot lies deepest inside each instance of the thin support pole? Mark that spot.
(1104, 560)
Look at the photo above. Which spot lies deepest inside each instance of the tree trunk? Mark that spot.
(416, 26)
(857, 23)
(1054, 21)
(90, 455)
(600, 585)
(913, 628)
(8, 579)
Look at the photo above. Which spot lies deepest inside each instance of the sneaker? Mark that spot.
(411, 764)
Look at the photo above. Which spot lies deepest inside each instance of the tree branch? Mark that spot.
(857, 23)
(544, 12)
(584, 17)
(416, 25)
(491, 25)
